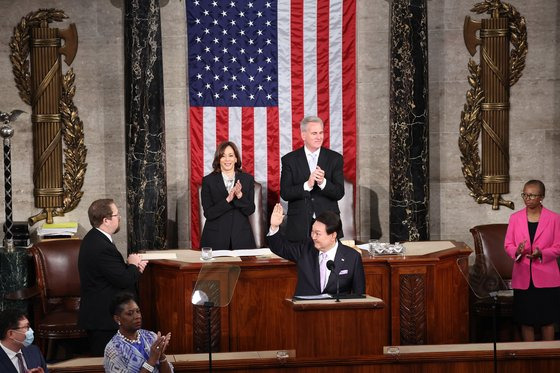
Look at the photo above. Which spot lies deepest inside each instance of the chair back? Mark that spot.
(346, 207)
(256, 219)
(56, 268)
(489, 244)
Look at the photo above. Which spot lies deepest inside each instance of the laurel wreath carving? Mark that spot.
(73, 129)
(518, 34)
(471, 120)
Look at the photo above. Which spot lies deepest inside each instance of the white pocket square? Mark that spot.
(343, 272)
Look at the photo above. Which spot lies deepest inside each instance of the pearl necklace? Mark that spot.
(137, 340)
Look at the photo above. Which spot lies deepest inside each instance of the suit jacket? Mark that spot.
(547, 239)
(347, 263)
(227, 221)
(32, 356)
(302, 204)
(103, 273)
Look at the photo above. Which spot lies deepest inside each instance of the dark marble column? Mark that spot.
(13, 276)
(146, 185)
(409, 163)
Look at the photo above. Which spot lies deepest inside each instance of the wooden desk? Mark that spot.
(325, 328)
(426, 302)
(533, 357)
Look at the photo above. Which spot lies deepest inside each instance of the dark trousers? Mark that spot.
(98, 339)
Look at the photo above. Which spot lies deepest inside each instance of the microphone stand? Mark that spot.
(209, 306)
(337, 289)
(331, 267)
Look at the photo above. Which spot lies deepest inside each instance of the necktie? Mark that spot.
(312, 160)
(323, 270)
(20, 363)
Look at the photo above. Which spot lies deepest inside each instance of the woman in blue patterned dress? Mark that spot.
(132, 349)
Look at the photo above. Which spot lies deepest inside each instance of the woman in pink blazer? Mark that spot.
(533, 241)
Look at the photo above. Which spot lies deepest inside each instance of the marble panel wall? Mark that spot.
(534, 116)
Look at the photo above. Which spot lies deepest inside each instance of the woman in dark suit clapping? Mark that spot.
(228, 200)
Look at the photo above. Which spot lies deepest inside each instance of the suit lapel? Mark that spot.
(5, 363)
(338, 263)
(29, 358)
(315, 267)
(302, 161)
(543, 223)
(322, 161)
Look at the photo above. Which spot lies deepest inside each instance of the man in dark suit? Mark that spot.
(312, 256)
(312, 180)
(17, 354)
(103, 273)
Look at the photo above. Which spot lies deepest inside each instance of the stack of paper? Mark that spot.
(58, 229)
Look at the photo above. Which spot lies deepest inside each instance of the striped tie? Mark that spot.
(20, 363)
(323, 270)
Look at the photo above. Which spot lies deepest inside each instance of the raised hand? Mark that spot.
(277, 216)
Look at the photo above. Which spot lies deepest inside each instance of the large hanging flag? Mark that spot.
(255, 69)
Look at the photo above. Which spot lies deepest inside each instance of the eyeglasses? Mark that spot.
(530, 196)
(22, 327)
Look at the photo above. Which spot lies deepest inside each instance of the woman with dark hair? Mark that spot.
(227, 199)
(533, 241)
(132, 349)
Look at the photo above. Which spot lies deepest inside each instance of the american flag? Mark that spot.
(256, 68)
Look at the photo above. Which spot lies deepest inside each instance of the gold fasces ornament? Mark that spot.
(486, 112)
(58, 132)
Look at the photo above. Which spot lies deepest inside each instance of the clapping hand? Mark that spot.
(319, 175)
(276, 217)
(316, 176)
(536, 254)
(142, 265)
(520, 249)
(157, 350)
(237, 190)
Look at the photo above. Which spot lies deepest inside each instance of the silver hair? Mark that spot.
(309, 119)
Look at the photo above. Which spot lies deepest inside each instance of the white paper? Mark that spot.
(157, 256)
(313, 297)
(250, 252)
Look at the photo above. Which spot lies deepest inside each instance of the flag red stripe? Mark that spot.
(349, 88)
(248, 139)
(273, 157)
(296, 29)
(323, 91)
(222, 124)
(196, 169)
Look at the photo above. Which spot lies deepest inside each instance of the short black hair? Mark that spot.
(539, 183)
(9, 319)
(119, 301)
(331, 220)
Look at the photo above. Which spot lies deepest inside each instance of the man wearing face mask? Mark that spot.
(17, 354)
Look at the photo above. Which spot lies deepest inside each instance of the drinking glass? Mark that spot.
(206, 253)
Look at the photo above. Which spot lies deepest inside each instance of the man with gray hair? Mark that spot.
(312, 180)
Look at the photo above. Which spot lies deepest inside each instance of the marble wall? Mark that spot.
(535, 113)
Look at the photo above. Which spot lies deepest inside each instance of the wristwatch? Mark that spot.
(148, 367)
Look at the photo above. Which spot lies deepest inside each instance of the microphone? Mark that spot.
(330, 267)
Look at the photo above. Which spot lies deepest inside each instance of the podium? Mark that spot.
(351, 327)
